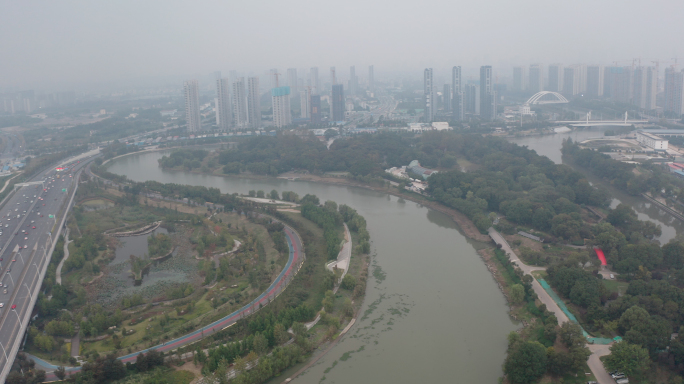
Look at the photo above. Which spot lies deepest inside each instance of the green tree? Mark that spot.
(526, 363)
(571, 334)
(274, 195)
(517, 293)
(631, 359)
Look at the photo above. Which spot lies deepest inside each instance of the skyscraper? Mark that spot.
(292, 82)
(313, 80)
(536, 79)
(337, 105)
(519, 79)
(239, 103)
(457, 92)
(305, 102)
(224, 115)
(253, 103)
(429, 96)
(595, 81)
(470, 99)
(282, 116)
(446, 98)
(192, 106)
(333, 76)
(371, 79)
(572, 80)
(315, 109)
(556, 78)
(487, 94)
(353, 81)
(674, 91)
(651, 88)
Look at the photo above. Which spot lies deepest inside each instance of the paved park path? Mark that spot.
(597, 351)
(58, 274)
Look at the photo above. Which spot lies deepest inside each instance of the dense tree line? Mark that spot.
(330, 221)
(188, 158)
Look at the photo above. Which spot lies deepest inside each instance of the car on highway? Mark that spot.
(14, 306)
(4, 290)
(34, 227)
(2, 305)
(25, 246)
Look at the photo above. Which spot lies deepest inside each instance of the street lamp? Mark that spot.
(3, 349)
(22, 257)
(29, 291)
(11, 278)
(37, 270)
(14, 308)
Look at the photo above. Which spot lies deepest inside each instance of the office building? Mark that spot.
(305, 102)
(280, 97)
(457, 93)
(192, 106)
(429, 96)
(239, 103)
(536, 80)
(446, 98)
(471, 99)
(645, 87)
(556, 78)
(253, 103)
(674, 91)
(224, 113)
(315, 109)
(595, 85)
(371, 79)
(519, 79)
(353, 81)
(337, 104)
(313, 80)
(487, 94)
(292, 82)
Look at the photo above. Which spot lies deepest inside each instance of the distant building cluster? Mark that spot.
(28, 101)
(238, 103)
(458, 101)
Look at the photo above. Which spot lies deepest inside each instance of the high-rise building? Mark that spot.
(253, 103)
(457, 106)
(239, 103)
(674, 91)
(371, 79)
(645, 87)
(315, 109)
(429, 96)
(595, 81)
(333, 76)
(536, 80)
(572, 80)
(224, 113)
(556, 78)
(470, 99)
(337, 105)
(618, 84)
(446, 97)
(519, 79)
(487, 93)
(282, 116)
(305, 102)
(274, 78)
(313, 80)
(353, 81)
(292, 82)
(192, 106)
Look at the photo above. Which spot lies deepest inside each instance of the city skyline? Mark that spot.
(182, 40)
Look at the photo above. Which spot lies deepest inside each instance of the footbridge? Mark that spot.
(587, 122)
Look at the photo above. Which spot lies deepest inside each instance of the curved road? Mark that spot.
(293, 265)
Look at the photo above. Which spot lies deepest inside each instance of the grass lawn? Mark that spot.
(616, 286)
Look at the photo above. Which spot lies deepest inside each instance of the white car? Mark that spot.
(2, 305)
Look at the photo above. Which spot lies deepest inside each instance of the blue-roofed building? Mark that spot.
(415, 167)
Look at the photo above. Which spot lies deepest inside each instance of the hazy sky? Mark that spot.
(48, 43)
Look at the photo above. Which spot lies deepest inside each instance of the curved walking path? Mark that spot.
(597, 351)
(293, 265)
(58, 274)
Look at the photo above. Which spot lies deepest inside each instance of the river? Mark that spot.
(550, 146)
(432, 312)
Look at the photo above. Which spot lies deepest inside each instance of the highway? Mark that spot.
(27, 231)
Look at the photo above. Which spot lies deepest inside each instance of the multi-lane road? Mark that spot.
(29, 222)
